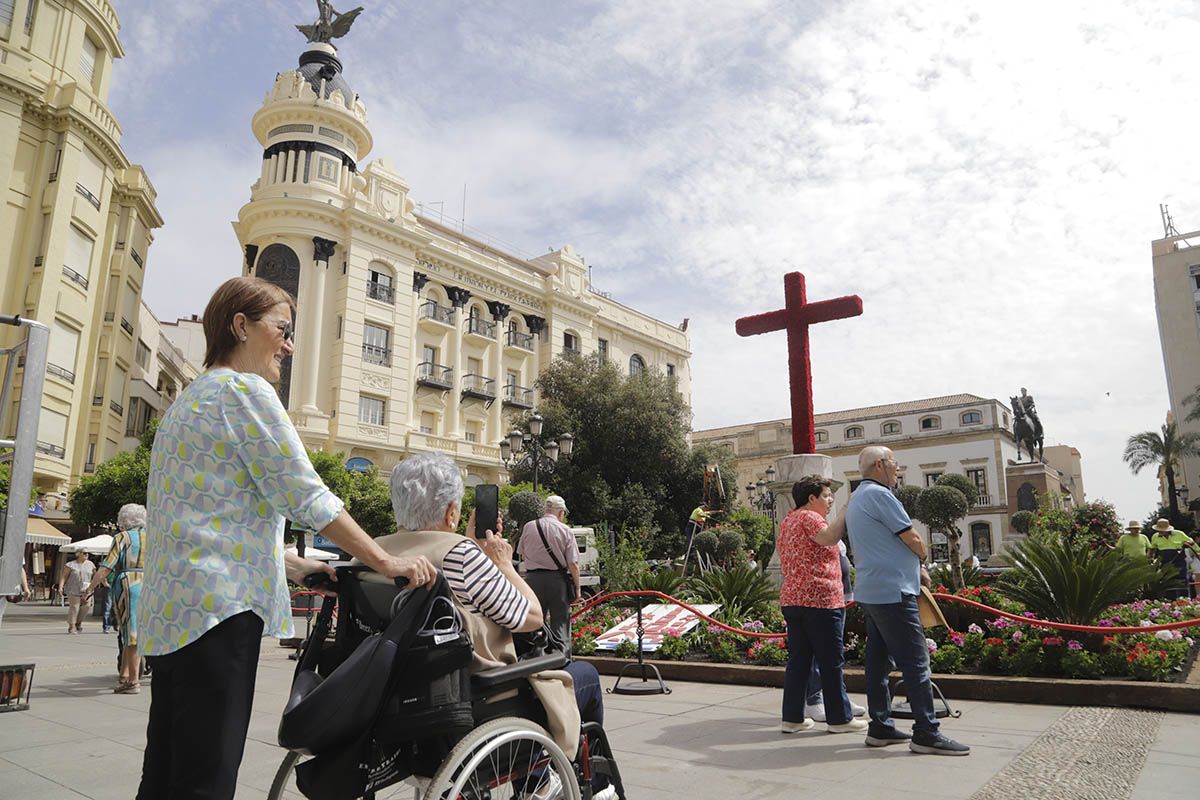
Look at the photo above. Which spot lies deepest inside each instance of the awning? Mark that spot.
(38, 531)
(96, 546)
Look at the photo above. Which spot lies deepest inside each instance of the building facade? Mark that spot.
(412, 334)
(161, 370)
(960, 433)
(1176, 265)
(76, 227)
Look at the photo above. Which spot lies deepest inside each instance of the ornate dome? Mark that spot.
(322, 64)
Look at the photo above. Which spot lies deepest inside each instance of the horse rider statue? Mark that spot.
(1027, 427)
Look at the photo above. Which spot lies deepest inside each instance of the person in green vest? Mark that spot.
(1133, 543)
(1170, 545)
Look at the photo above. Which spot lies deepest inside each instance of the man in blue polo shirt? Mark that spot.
(887, 579)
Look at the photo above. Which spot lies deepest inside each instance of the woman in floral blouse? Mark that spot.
(227, 467)
(813, 606)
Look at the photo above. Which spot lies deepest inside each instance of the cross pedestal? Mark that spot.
(788, 470)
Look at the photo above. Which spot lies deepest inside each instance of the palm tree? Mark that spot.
(1165, 449)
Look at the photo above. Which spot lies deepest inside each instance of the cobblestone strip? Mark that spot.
(1088, 754)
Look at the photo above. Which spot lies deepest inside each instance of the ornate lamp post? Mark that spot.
(529, 448)
(761, 498)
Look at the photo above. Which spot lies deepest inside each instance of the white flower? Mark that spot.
(1164, 636)
(931, 645)
(1145, 623)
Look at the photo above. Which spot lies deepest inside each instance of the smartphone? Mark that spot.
(487, 508)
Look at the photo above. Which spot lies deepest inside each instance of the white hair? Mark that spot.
(869, 456)
(423, 486)
(131, 515)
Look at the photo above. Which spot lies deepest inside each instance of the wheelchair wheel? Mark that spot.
(505, 759)
(284, 785)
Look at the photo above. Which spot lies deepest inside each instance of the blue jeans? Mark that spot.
(590, 700)
(894, 633)
(815, 634)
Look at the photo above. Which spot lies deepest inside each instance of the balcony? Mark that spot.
(431, 312)
(478, 326)
(116, 408)
(519, 340)
(83, 192)
(51, 450)
(984, 500)
(478, 387)
(89, 467)
(381, 292)
(518, 396)
(72, 275)
(435, 376)
(137, 259)
(374, 354)
(59, 372)
(571, 352)
(127, 326)
(97, 400)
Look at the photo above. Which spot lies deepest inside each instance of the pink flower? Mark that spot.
(931, 645)
(1052, 641)
(1104, 623)
(973, 628)
(956, 639)
(1000, 623)
(1029, 615)
(1017, 636)
(1074, 645)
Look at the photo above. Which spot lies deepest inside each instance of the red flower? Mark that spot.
(1052, 641)
(993, 640)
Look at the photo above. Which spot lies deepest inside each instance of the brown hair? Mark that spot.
(253, 297)
(808, 487)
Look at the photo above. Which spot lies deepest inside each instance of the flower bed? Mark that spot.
(986, 646)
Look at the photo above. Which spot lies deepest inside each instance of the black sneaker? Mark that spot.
(882, 737)
(938, 745)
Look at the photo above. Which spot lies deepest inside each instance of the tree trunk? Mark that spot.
(1172, 498)
(952, 538)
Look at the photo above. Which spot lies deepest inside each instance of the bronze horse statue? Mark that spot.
(1027, 432)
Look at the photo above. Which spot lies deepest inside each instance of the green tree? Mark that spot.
(119, 480)
(908, 495)
(5, 476)
(1179, 520)
(1022, 522)
(757, 531)
(1096, 523)
(941, 507)
(632, 465)
(1164, 450)
(365, 494)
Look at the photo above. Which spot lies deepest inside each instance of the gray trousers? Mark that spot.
(551, 589)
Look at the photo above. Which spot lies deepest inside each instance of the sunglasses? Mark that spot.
(286, 330)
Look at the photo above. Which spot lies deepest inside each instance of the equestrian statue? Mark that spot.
(1027, 428)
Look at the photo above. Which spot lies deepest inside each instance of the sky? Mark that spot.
(986, 176)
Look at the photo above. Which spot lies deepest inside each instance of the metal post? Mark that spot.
(645, 687)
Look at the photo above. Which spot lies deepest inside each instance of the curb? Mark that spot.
(1181, 697)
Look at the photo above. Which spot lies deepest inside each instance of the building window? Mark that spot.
(978, 476)
(939, 549)
(889, 428)
(142, 355)
(138, 419)
(428, 422)
(981, 540)
(376, 348)
(636, 365)
(931, 478)
(854, 432)
(670, 370)
(429, 354)
(602, 349)
(30, 13)
(371, 410)
(379, 286)
(931, 424)
(1005, 418)
(972, 418)
(89, 56)
(63, 351)
(822, 436)
(473, 431)
(570, 343)
(6, 14)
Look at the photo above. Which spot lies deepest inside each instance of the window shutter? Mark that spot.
(79, 252)
(87, 56)
(52, 429)
(64, 344)
(91, 173)
(6, 13)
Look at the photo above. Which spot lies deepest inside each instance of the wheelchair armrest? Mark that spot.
(490, 679)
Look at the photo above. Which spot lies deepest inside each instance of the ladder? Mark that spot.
(20, 450)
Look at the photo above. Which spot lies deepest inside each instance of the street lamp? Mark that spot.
(530, 449)
(760, 496)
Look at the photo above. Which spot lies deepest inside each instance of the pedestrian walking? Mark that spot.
(551, 557)
(72, 583)
(124, 564)
(1171, 546)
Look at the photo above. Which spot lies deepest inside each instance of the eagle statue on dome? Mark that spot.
(331, 25)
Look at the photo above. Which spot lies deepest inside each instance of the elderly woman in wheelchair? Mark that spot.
(514, 719)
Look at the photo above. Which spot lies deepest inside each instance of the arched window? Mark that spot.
(636, 365)
(822, 436)
(854, 432)
(280, 265)
(889, 428)
(981, 540)
(931, 423)
(971, 418)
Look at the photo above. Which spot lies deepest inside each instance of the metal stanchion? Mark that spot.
(645, 687)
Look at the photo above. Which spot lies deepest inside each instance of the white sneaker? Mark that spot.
(856, 710)
(795, 727)
(815, 713)
(853, 726)
(607, 793)
(550, 789)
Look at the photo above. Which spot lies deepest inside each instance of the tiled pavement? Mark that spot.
(78, 740)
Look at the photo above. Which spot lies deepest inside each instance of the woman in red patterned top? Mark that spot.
(813, 606)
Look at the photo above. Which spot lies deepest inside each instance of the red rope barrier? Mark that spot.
(1188, 623)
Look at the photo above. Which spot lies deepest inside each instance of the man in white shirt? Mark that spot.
(550, 555)
(76, 576)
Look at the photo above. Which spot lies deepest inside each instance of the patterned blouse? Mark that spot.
(812, 573)
(226, 468)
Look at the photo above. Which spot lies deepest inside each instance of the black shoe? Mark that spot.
(938, 745)
(882, 737)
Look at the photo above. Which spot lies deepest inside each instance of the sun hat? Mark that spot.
(1134, 526)
(1163, 525)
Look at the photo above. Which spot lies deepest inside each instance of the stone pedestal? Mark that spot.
(788, 470)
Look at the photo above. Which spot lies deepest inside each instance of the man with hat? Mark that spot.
(550, 555)
(1170, 544)
(1133, 543)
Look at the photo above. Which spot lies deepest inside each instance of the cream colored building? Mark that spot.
(412, 334)
(161, 370)
(1176, 264)
(1069, 463)
(76, 226)
(960, 433)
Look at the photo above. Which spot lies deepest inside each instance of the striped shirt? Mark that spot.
(481, 586)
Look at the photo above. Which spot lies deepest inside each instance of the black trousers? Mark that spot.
(199, 713)
(552, 590)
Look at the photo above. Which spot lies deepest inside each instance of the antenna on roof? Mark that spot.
(1168, 223)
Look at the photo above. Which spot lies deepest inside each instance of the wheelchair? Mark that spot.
(506, 753)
